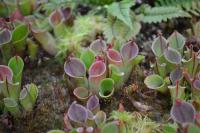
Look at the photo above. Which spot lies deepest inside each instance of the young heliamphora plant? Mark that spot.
(10, 87)
(129, 53)
(85, 119)
(7, 88)
(101, 62)
(28, 97)
(177, 62)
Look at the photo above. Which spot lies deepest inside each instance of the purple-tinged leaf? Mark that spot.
(159, 45)
(5, 37)
(197, 117)
(90, 119)
(114, 57)
(98, 46)
(196, 84)
(16, 15)
(82, 93)
(66, 12)
(68, 16)
(77, 113)
(90, 115)
(93, 104)
(129, 51)
(5, 73)
(175, 75)
(100, 118)
(183, 112)
(74, 67)
(173, 56)
(176, 41)
(97, 72)
(55, 18)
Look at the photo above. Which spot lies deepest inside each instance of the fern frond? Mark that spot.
(117, 29)
(159, 14)
(191, 6)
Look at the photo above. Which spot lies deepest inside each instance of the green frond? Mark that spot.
(159, 14)
(190, 6)
(116, 29)
(99, 2)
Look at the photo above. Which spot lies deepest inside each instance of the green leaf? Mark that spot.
(110, 128)
(12, 106)
(3, 11)
(25, 7)
(138, 59)
(17, 65)
(88, 58)
(169, 128)
(176, 41)
(159, 14)
(19, 35)
(116, 29)
(116, 75)
(106, 88)
(155, 82)
(193, 129)
(100, 118)
(5, 37)
(28, 96)
(173, 56)
(121, 10)
(82, 93)
(159, 45)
